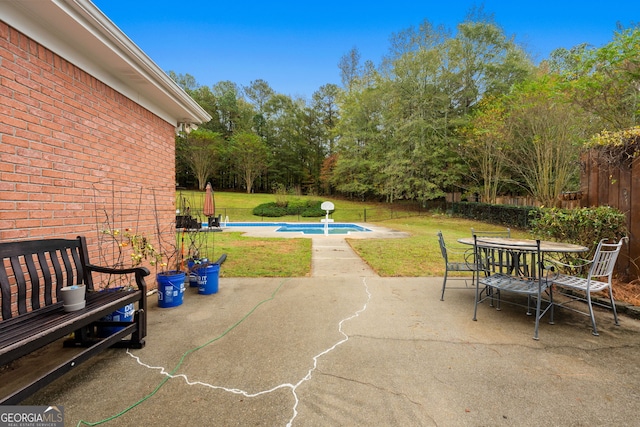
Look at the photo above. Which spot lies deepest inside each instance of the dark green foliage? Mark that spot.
(313, 210)
(304, 208)
(583, 226)
(270, 210)
(510, 216)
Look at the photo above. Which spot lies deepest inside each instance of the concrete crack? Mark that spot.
(292, 387)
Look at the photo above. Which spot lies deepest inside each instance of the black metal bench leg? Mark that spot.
(137, 338)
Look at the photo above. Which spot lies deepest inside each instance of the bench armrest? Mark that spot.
(140, 273)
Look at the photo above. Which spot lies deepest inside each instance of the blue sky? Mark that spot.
(296, 46)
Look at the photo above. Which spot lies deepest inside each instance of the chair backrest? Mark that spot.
(518, 259)
(443, 247)
(492, 233)
(604, 259)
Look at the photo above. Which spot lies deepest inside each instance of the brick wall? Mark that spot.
(75, 155)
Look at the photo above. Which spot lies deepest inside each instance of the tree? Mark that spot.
(605, 80)
(185, 81)
(233, 112)
(360, 144)
(250, 156)
(545, 135)
(484, 148)
(349, 66)
(259, 93)
(285, 137)
(324, 104)
(200, 151)
(433, 85)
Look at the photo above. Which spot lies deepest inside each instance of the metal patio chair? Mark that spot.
(456, 259)
(495, 257)
(597, 279)
(529, 281)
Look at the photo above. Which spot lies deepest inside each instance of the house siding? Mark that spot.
(69, 143)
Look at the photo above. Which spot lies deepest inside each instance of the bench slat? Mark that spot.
(5, 292)
(20, 284)
(35, 282)
(42, 259)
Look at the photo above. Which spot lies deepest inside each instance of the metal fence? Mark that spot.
(342, 215)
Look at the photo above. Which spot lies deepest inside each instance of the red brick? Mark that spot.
(13, 234)
(73, 131)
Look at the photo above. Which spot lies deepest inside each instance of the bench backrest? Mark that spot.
(32, 272)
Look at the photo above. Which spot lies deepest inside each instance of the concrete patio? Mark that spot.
(345, 347)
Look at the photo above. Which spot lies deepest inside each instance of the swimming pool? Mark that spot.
(304, 228)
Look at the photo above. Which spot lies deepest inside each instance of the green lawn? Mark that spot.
(414, 256)
(418, 255)
(253, 257)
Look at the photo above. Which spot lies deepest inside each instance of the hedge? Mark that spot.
(304, 208)
(507, 215)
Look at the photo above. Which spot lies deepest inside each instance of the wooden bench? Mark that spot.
(31, 275)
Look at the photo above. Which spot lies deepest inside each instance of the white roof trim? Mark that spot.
(79, 32)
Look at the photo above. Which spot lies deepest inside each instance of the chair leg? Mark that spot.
(613, 307)
(551, 322)
(593, 318)
(538, 304)
(475, 308)
(444, 284)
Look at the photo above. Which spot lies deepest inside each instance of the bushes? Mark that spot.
(304, 208)
(270, 210)
(507, 215)
(583, 226)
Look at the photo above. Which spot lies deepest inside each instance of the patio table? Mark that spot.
(515, 265)
(512, 244)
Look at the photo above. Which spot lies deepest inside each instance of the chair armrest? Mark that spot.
(574, 268)
(583, 262)
(459, 250)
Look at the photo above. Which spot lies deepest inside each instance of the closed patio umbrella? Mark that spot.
(209, 208)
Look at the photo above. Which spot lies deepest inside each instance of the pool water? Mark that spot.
(319, 228)
(305, 228)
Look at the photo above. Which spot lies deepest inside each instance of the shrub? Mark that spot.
(304, 208)
(270, 210)
(509, 216)
(313, 210)
(583, 226)
(295, 206)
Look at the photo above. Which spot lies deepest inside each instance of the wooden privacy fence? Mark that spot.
(603, 183)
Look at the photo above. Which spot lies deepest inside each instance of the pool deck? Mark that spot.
(348, 348)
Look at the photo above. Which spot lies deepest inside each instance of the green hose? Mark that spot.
(184, 356)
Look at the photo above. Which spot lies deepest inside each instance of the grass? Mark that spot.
(414, 256)
(418, 255)
(258, 257)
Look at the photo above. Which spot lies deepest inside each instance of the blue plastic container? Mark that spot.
(170, 288)
(192, 265)
(208, 279)
(124, 314)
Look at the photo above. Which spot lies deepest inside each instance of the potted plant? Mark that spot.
(171, 280)
(139, 249)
